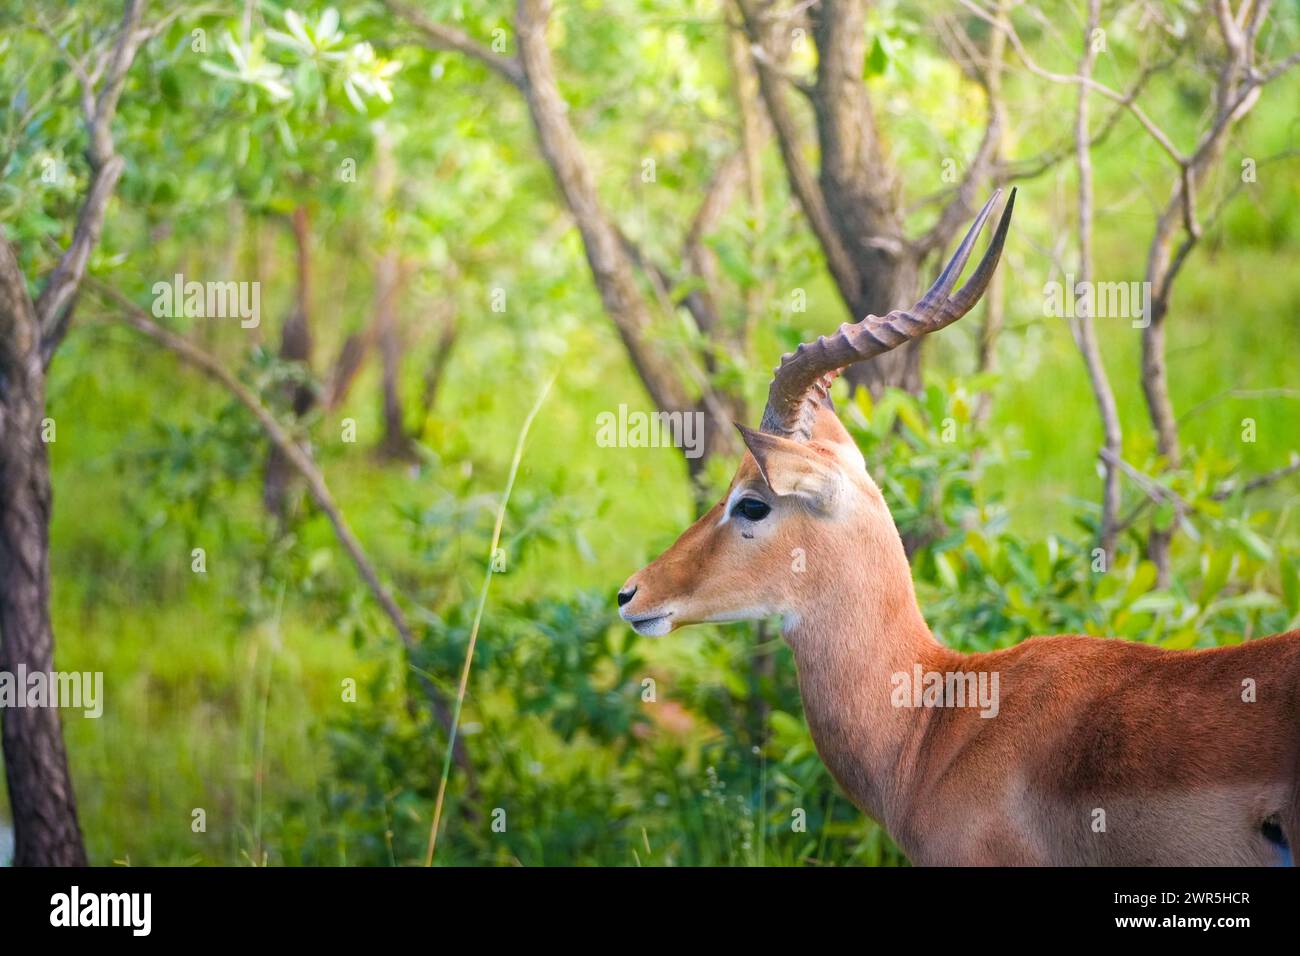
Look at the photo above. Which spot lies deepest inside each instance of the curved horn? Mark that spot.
(803, 378)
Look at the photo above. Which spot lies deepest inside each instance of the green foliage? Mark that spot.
(565, 738)
(225, 688)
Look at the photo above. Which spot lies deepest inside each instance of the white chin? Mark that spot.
(655, 627)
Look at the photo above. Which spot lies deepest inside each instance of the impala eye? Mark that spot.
(751, 508)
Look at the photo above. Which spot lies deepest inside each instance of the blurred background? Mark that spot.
(444, 205)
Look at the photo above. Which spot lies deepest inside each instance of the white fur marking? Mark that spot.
(731, 501)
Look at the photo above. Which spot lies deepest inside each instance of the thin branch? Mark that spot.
(1234, 96)
(135, 317)
(439, 36)
(1139, 114)
(802, 182)
(1230, 487)
(1193, 235)
(1239, 393)
(699, 258)
(662, 285)
(1226, 490)
(301, 460)
(1152, 488)
(611, 267)
(959, 208)
(611, 256)
(1036, 166)
(1268, 76)
(54, 305)
(84, 80)
(1085, 333)
(769, 63)
(1129, 519)
(446, 316)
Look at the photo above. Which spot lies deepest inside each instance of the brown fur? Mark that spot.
(1161, 741)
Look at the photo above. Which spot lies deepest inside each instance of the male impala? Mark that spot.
(1093, 752)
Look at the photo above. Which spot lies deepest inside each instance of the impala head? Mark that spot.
(801, 499)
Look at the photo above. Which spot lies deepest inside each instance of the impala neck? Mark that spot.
(861, 628)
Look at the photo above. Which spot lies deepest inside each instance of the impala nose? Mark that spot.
(626, 595)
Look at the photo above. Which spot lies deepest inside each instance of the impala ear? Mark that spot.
(791, 468)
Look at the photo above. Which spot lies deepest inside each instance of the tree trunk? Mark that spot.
(854, 205)
(46, 832)
(888, 283)
(437, 367)
(861, 190)
(396, 444)
(295, 346)
(611, 267)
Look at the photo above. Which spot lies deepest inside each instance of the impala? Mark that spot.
(1093, 751)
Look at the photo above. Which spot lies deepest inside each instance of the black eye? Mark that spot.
(751, 508)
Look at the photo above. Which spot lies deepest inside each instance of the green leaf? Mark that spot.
(1144, 576)
(1250, 601)
(1291, 584)
(735, 684)
(1156, 602)
(1218, 566)
(912, 418)
(947, 574)
(862, 398)
(877, 59)
(1256, 546)
(786, 727)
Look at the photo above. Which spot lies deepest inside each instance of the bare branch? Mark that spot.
(610, 264)
(698, 256)
(958, 210)
(54, 305)
(1234, 95)
(439, 36)
(1036, 166)
(1152, 488)
(611, 255)
(769, 63)
(1139, 114)
(802, 182)
(297, 456)
(1085, 334)
(662, 285)
(84, 79)
(1223, 492)
(1231, 487)
(1293, 393)
(134, 316)
(1271, 74)
(449, 330)
(754, 127)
